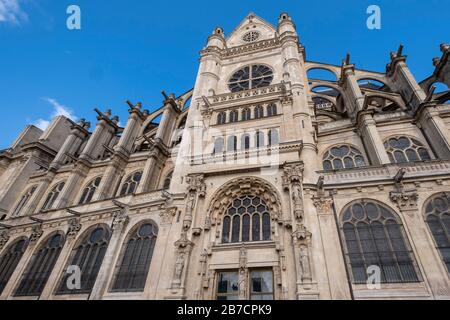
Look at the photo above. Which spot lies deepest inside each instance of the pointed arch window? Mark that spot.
(271, 110)
(234, 116)
(245, 142)
(246, 114)
(53, 196)
(38, 271)
(247, 219)
(88, 256)
(374, 236)
(437, 215)
(23, 201)
(89, 191)
(344, 156)
(9, 261)
(131, 183)
(221, 118)
(167, 181)
(403, 149)
(259, 112)
(131, 273)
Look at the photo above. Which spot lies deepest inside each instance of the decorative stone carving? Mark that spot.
(36, 233)
(323, 205)
(196, 184)
(405, 200)
(292, 181)
(74, 227)
(167, 215)
(4, 238)
(302, 244)
(120, 219)
(196, 188)
(302, 235)
(243, 279)
(183, 250)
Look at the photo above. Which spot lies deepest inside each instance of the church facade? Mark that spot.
(262, 182)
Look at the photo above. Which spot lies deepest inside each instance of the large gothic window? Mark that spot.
(341, 157)
(9, 261)
(131, 273)
(23, 201)
(38, 271)
(89, 191)
(131, 183)
(250, 77)
(247, 219)
(374, 236)
(437, 215)
(405, 149)
(53, 196)
(88, 256)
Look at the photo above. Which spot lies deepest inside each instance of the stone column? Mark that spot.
(403, 81)
(40, 192)
(72, 185)
(111, 177)
(17, 181)
(104, 131)
(129, 135)
(36, 234)
(368, 131)
(151, 165)
(435, 129)
(72, 144)
(426, 255)
(333, 253)
(354, 99)
(119, 224)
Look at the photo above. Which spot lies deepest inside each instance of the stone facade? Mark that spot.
(287, 154)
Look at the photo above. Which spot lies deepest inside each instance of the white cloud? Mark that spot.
(58, 110)
(11, 12)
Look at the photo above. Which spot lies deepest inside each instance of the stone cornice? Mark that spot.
(275, 90)
(250, 48)
(375, 175)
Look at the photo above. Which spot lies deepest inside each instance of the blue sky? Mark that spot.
(134, 49)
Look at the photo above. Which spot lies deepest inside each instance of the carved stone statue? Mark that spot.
(304, 263)
(179, 267)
